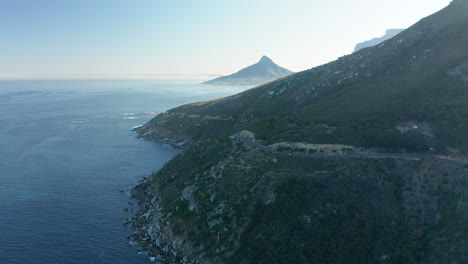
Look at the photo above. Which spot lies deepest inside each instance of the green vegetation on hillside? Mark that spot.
(234, 204)
(418, 76)
(223, 202)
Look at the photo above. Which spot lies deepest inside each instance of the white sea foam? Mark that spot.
(130, 117)
(139, 113)
(79, 121)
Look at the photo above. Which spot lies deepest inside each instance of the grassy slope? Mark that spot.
(405, 78)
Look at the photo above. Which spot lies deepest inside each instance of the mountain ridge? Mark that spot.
(390, 33)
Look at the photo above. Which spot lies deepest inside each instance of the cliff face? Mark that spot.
(224, 202)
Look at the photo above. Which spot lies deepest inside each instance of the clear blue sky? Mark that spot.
(60, 38)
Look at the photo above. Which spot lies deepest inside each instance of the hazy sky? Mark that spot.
(60, 38)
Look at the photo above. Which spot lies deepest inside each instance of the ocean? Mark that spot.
(68, 160)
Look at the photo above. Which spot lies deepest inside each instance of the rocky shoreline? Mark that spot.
(150, 232)
(175, 143)
(156, 131)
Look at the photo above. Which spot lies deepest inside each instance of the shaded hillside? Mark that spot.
(390, 33)
(224, 202)
(419, 76)
(262, 72)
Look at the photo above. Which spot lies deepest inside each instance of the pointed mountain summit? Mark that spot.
(265, 59)
(262, 72)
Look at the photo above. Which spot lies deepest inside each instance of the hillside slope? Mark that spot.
(223, 201)
(259, 73)
(419, 76)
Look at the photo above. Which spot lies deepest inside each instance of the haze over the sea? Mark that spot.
(186, 39)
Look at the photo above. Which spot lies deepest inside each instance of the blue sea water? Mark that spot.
(68, 159)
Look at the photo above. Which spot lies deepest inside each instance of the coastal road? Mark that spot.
(353, 155)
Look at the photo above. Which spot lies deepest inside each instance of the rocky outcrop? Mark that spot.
(179, 129)
(152, 233)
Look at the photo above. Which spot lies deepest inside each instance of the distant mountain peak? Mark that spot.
(389, 33)
(265, 70)
(265, 59)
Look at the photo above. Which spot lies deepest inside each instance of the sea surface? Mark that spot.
(68, 159)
